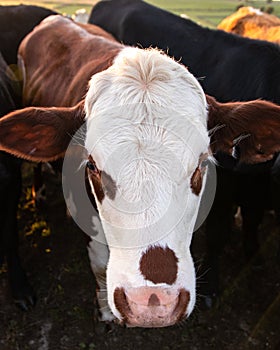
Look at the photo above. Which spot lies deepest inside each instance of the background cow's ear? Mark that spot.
(40, 134)
(254, 126)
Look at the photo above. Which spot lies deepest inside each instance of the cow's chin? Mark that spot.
(151, 306)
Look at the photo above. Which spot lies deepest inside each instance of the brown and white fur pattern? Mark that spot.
(147, 122)
(150, 158)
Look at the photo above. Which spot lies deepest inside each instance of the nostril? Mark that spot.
(154, 300)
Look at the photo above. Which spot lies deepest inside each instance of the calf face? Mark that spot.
(145, 173)
(146, 138)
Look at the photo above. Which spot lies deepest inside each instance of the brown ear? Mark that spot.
(40, 134)
(254, 126)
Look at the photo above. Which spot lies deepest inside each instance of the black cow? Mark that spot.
(15, 23)
(229, 67)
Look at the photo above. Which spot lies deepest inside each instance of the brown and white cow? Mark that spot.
(252, 23)
(147, 122)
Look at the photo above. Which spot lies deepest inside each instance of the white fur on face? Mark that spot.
(146, 128)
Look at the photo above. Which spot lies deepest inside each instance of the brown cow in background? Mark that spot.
(253, 23)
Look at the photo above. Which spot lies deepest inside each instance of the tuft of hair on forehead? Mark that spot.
(146, 67)
(146, 76)
(152, 75)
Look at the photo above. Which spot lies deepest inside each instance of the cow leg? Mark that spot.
(10, 193)
(99, 255)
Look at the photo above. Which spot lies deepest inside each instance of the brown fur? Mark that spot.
(102, 183)
(47, 55)
(180, 309)
(256, 122)
(246, 23)
(95, 30)
(121, 303)
(96, 182)
(56, 73)
(23, 135)
(196, 181)
(159, 265)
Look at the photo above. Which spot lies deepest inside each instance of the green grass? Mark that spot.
(209, 12)
(62, 6)
(206, 12)
(72, 8)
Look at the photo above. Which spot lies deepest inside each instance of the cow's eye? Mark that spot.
(92, 167)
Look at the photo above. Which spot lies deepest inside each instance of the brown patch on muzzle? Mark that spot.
(159, 265)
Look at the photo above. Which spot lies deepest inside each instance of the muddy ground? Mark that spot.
(54, 254)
